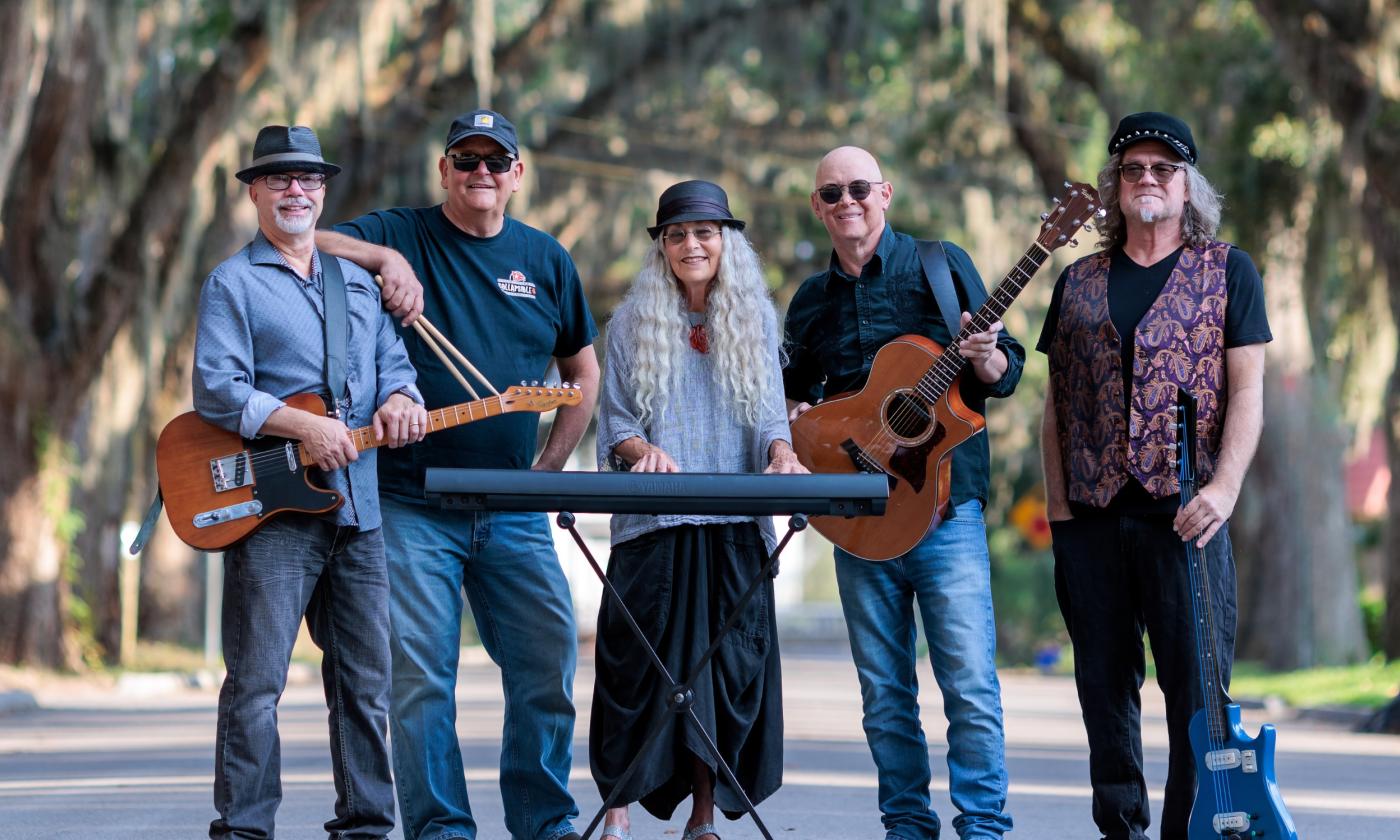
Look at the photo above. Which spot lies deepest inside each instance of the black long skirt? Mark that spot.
(681, 585)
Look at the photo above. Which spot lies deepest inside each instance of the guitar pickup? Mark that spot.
(1227, 759)
(231, 472)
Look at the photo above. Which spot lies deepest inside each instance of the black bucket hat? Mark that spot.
(1154, 125)
(485, 123)
(693, 201)
(281, 148)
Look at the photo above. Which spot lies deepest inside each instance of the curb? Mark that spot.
(12, 702)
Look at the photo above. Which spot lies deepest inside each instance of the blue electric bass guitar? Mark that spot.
(1237, 796)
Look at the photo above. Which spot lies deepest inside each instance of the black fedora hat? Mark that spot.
(281, 148)
(1154, 125)
(693, 201)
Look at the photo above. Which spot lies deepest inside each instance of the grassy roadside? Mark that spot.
(1369, 685)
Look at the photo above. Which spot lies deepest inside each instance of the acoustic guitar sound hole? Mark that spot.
(908, 415)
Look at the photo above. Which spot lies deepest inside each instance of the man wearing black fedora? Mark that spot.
(1164, 306)
(509, 297)
(279, 319)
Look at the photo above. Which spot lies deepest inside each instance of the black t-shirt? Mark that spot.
(1132, 289)
(509, 302)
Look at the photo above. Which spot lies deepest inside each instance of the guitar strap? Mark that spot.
(333, 289)
(940, 280)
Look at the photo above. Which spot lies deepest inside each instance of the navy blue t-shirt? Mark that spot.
(508, 302)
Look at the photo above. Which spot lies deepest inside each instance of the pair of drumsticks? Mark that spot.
(427, 332)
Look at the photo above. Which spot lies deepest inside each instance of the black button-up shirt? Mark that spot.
(836, 323)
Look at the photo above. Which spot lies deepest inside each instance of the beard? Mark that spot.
(297, 225)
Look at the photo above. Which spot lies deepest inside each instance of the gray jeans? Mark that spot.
(293, 566)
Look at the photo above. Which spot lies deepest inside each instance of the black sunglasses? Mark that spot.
(495, 164)
(859, 190)
(1161, 172)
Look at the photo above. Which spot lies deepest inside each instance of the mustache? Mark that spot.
(293, 204)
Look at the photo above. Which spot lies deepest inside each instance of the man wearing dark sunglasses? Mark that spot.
(509, 297)
(1163, 306)
(874, 290)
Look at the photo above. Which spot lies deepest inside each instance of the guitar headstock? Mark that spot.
(1185, 436)
(536, 397)
(1079, 206)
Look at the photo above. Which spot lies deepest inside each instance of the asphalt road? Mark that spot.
(136, 762)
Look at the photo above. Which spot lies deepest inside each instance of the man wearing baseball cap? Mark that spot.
(267, 331)
(508, 297)
(1163, 306)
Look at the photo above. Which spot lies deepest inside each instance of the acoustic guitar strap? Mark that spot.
(940, 280)
(333, 291)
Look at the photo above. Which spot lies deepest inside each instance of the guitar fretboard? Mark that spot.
(438, 419)
(940, 376)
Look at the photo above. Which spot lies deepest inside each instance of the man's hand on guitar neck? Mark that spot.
(797, 409)
(981, 351)
(325, 439)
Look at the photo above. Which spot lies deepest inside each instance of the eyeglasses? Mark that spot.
(859, 190)
(310, 181)
(677, 236)
(1162, 173)
(495, 164)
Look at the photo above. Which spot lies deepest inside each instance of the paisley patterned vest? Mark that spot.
(1179, 342)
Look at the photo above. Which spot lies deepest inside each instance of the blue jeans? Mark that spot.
(949, 575)
(293, 566)
(524, 615)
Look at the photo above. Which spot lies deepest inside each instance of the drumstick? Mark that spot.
(432, 345)
(453, 350)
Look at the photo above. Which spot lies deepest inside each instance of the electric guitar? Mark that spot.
(219, 487)
(1237, 796)
(910, 415)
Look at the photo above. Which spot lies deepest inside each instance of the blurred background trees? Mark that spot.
(122, 122)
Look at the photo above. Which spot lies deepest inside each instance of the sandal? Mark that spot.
(700, 831)
(616, 831)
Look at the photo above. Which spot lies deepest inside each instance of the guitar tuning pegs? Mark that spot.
(1089, 228)
(1074, 243)
(1056, 200)
(1062, 238)
(523, 383)
(1067, 184)
(1044, 216)
(534, 383)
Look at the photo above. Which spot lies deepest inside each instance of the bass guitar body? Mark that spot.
(1243, 769)
(219, 487)
(892, 427)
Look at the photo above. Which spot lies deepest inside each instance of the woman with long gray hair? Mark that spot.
(693, 383)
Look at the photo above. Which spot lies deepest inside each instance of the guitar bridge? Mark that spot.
(864, 463)
(231, 472)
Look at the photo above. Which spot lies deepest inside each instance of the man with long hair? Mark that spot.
(1163, 306)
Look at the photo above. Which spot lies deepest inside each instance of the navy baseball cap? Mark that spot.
(485, 123)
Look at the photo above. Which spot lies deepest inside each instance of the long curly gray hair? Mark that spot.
(739, 318)
(1200, 218)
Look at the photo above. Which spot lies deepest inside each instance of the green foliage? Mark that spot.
(1368, 685)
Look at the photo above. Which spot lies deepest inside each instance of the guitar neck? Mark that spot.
(941, 375)
(438, 419)
(1213, 693)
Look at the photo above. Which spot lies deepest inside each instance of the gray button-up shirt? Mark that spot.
(261, 338)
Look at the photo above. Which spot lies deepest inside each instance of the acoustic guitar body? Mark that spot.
(889, 426)
(219, 488)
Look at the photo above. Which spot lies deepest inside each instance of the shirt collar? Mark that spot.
(263, 252)
(874, 267)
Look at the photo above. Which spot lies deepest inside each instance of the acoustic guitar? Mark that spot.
(1237, 794)
(910, 415)
(219, 487)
